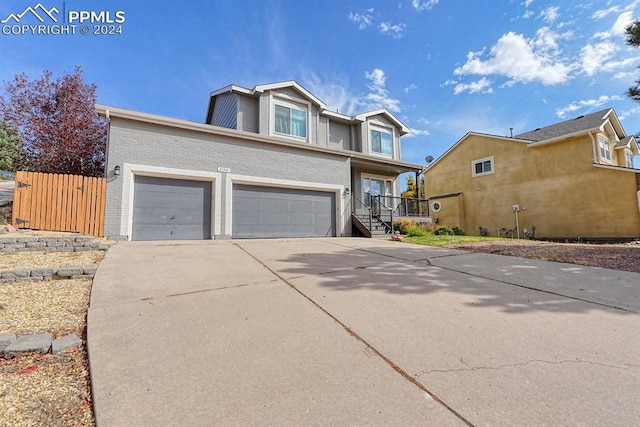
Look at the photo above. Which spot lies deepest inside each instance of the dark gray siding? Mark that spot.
(225, 111)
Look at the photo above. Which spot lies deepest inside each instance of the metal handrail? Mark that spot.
(362, 204)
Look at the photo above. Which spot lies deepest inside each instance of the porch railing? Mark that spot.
(381, 210)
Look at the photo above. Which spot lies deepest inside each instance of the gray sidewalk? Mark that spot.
(358, 331)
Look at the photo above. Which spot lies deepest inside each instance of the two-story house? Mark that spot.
(574, 179)
(271, 161)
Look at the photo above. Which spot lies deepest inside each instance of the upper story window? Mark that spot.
(628, 159)
(290, 120)
(482, 166)
(605, 150)
(381, 142)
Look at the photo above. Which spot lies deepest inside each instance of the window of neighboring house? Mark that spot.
(482, 167)
(290, 120)
(381, 142)
(629, 159)
(605, 150)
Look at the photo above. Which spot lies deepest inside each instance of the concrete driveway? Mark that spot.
(358, 331)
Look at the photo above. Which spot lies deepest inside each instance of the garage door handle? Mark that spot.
(173, 217)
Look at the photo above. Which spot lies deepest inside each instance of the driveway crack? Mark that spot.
(368, 346)
(468, 368)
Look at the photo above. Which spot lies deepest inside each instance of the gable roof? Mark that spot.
(259, 89)
(588, 122)
(591, 122)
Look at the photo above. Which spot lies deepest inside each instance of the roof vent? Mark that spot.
(579, 117)
(536, 129)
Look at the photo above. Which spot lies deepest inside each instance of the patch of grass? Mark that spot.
(444, 240)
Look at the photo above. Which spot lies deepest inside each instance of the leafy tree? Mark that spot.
(9, 147)
(56, 120)
(633, 39)
(411, 187)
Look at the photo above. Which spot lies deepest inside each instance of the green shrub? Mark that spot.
(448, 230)
(416, 231)
(403, 225)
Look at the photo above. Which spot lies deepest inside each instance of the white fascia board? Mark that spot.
(616, 168)
(291, 83)
(340, 116)
(231, 88)
(403, 128)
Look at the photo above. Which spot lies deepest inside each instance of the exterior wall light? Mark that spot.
(116, 170)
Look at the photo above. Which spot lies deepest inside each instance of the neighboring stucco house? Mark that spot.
(574, 179)
(271, 161)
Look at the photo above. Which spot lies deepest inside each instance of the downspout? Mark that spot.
(107, 116)
(593, 147)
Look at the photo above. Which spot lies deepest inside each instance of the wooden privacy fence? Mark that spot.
(53, 202)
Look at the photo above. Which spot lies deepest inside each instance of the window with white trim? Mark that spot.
(290, 120)
(605, 150)
(482, 166)
(628, 159)
(381, 142)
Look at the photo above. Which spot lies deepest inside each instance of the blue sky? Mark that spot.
(443, 67)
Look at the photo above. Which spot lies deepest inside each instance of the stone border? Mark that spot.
(12, 346)
(51, 244)
(40, 274)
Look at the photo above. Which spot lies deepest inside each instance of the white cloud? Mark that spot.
(629, 112)
(393, 30)
(417, 132)
(362, 19)
(338, 97)
(527, 3)
(594, 56)
(421, 5)
(550, 14)
(379, 95)
(603, 13)
(618, 27)
(521, 59)
(410, 88)
(587, 103)
(481, 86)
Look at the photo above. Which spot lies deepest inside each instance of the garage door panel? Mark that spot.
(282, 212)
(166, 209)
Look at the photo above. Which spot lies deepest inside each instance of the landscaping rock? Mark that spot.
(70, 271)
(89, 270)
(65, 343)
(42, 272)
(6, 340)
(30, 343)
(15, 274)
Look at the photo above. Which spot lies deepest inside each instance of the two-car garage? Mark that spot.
(182, 209)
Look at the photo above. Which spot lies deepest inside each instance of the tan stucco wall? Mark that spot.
(556, 186)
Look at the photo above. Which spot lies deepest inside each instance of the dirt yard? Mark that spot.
(624, 257)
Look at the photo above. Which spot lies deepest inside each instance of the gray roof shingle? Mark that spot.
(568, 127)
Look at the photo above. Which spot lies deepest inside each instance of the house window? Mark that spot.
(482, 166)
(381, 142)
(605, 151)
(291, 121)
(372, 187)
(629, 159)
